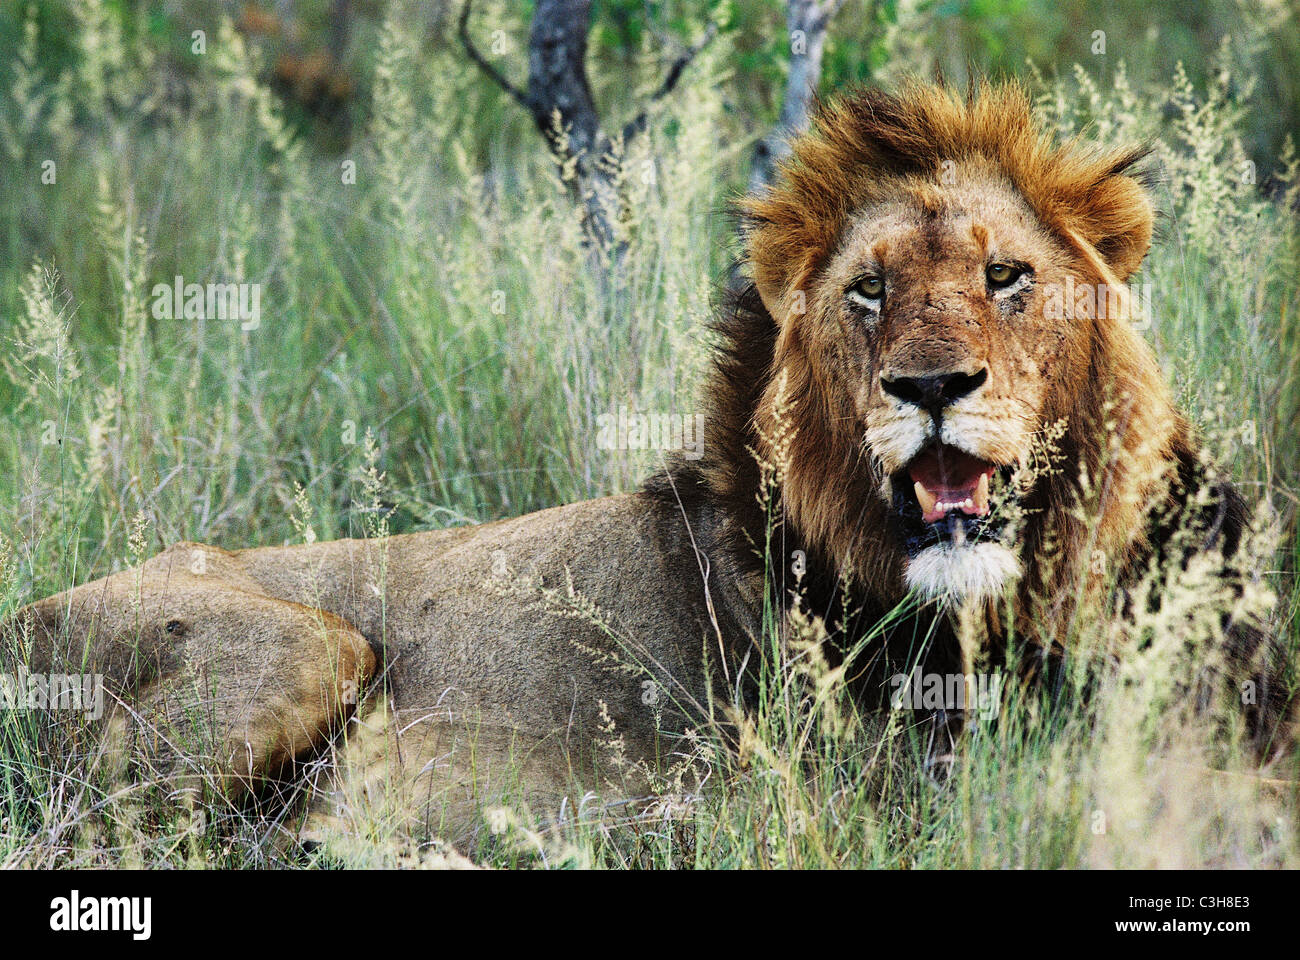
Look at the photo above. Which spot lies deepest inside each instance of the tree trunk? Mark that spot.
(806, 23)
(562, 107)
(559, 100)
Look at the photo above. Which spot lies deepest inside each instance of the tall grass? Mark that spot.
(446, 307)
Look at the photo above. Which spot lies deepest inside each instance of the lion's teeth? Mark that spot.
(981, 498)
(924, 498)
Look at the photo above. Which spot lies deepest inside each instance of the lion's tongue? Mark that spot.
(945, 478)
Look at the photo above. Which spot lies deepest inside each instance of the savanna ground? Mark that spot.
(435, 348)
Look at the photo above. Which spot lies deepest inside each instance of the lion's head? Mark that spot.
(946, 291)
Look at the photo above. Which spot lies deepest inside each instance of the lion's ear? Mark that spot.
(1115, 215)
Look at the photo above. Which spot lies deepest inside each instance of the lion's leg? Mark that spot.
(435, 773)
(208, 682)
(262, 694)
(943, 733)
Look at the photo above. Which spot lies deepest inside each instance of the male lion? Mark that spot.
(928, 419)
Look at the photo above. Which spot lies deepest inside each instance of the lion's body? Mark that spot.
(469, 671)
(894, 360)
(481, 647)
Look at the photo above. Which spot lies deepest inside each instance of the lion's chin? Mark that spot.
(969, 571)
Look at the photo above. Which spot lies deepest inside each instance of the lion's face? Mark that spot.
(914, 257)
(933, 313)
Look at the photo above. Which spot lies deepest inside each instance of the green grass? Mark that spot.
(443, 304)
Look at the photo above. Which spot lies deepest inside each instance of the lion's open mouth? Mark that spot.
(945, 495)
(945, 479)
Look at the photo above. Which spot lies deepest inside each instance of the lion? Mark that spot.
(891, 376)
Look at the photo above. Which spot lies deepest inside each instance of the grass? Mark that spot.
(442, 304)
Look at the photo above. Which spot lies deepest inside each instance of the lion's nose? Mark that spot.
(934, 393)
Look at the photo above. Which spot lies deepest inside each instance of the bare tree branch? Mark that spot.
(682, 62)
(486, 65)
(558, 98)
(638, 123)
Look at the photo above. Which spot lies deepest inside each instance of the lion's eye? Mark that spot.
(869, 288)
(1002, 274)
